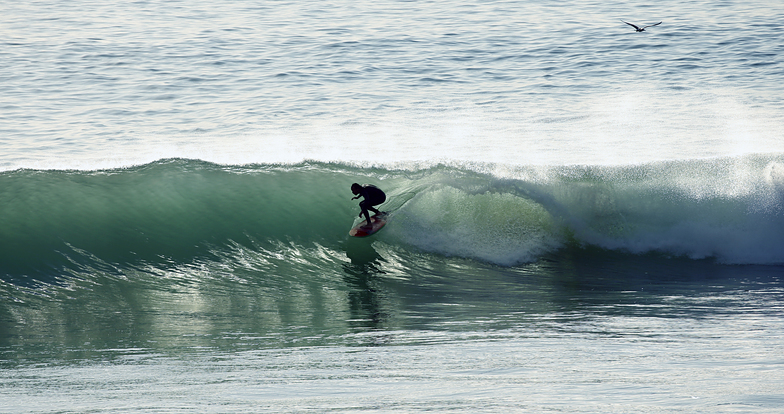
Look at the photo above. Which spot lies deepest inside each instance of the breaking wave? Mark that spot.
(172, 212)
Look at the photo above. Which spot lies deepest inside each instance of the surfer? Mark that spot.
(373, 197)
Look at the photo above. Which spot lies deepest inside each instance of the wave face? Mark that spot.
(176, 212)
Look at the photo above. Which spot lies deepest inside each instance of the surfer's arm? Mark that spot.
(362, 193)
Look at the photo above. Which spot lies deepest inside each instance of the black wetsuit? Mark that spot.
(373, 196)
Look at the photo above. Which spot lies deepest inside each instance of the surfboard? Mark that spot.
(360, 230)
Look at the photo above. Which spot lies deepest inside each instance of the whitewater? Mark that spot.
(582, 218)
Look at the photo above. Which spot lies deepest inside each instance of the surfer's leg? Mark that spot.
(374, 202)
(364, 206)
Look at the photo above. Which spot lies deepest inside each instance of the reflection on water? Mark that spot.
(361, 278)
(319, 296)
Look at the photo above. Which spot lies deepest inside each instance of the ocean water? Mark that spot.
(583, 218)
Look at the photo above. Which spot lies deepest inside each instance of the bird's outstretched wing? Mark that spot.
(634, 26)
(651, 25)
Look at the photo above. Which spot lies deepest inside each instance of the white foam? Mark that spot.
(730, 210)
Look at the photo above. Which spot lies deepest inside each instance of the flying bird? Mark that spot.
(641, 29)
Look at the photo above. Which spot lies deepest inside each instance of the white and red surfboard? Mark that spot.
(363, 230)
